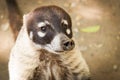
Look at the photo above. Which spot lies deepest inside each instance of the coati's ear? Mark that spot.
(25, 19)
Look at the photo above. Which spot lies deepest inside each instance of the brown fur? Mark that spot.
(51, 67)
(15, 16)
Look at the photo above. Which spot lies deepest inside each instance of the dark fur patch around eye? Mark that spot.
(49, 35)
(53, 15)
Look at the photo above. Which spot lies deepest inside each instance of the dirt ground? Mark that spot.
(101, 48)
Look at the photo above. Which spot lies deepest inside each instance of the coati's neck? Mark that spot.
(51, 67)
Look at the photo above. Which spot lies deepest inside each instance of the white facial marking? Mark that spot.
(68, 31)
(41, 34)
(31, 35)
(65, 22)
(54, 45)
(56, 42)
(41, 24)
(47, 22)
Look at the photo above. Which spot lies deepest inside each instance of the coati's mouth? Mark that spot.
(59, 51)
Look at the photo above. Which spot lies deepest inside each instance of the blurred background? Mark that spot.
(96, 28)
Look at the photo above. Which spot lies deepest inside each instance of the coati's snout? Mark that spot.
(62, 43)
(50, 28)
(68, 45)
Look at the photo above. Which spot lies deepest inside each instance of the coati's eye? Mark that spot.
(64, 23)
(43, 28)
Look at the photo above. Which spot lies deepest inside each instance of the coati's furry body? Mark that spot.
(26, 66)
(44, 49)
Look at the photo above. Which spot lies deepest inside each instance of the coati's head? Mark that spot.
(50, 28)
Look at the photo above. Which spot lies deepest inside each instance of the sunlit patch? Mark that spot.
(68, 31)
(41, 34)
(31, 35)
(90, 12)
(64, 22)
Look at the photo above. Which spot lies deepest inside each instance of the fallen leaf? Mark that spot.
(91, 29)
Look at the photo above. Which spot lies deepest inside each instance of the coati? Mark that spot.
(45, 49)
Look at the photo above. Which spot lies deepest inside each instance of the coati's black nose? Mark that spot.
(68, 45)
